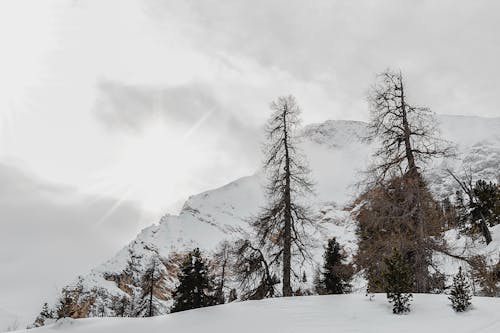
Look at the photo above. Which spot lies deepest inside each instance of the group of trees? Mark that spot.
(399, 223)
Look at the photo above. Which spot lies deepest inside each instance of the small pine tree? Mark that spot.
(460, 295)
(336, 276)
(195, 289)
(398, 280)
(45, 314)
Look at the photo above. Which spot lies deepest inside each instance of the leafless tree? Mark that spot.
(408, 134)
(220, 266)
(151, 283)
(408, 138)
(281, 227)
(253, 271)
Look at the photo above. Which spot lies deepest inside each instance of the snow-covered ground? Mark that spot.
(9, 321)
(311, 314)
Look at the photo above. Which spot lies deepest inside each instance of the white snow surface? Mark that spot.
(336, 157)
(8, 321)
(312, 314)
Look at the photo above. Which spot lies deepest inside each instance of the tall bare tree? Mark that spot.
(252, 270)
(408, 134)
(281, 227)
(408, 137)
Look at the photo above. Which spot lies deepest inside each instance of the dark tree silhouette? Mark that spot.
(336, 275)
(195, 288)
(398, 283)
(253, 271)
(481, 203)
(281, 227)
(460, 295)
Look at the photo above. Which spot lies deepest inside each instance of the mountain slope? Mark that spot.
(336, 156)
(313, 314)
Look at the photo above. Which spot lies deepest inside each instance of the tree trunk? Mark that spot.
(420, 261)
(412, 168)
(485, 230)
(150, 314)
(287, 239)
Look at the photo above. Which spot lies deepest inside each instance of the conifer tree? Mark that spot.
(398, 283)
(195, 288)
(336, 275)
(281, 227)
(45, 314)
(460, 295)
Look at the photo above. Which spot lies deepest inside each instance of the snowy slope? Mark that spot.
(336, 156)
(8, 321)
(312, 314)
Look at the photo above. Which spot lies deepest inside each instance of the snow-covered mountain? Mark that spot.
(336, 157)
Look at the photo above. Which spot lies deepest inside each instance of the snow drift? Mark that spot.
(312, 314)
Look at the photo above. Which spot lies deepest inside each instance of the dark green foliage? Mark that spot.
(460, 295)
(487, 203)
(195, 289)
(398, 279)
(336, 275)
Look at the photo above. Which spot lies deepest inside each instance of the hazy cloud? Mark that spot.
(49, 236)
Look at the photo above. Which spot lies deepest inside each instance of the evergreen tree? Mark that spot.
(336, 276)
(460, 295)
(45, 314)
(398, 283)
(195, 289)
(152, 281)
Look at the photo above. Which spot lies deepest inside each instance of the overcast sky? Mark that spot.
(113, 112)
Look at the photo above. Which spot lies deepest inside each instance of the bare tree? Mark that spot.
(220, 266)
(253, 271)
(281, 226)
(408, 140)
(408, 134)
(151, 283)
